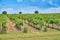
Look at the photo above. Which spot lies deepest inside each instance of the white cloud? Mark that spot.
(9, 10)
(51, 3)
(19, 0)
(43, 0)
(52, 10)
(33, 0)
(31, 10)
(36, 0)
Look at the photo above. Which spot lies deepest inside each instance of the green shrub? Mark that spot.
(25, 30)
(45, 29)
(3, 25)
(3, 31)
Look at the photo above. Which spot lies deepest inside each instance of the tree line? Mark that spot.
(36, 12)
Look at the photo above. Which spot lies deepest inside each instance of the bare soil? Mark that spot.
(10, 26)
(30, 29)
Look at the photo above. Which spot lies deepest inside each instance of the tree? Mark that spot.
(4, 12)
(20, 12)
(36, 12)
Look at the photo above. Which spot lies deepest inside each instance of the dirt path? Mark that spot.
(10, 26)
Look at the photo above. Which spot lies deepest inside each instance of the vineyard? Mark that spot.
(37, 21)
(27, 23)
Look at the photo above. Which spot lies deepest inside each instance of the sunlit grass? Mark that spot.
(55, 35)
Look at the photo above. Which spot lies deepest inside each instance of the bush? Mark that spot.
(45, 29)
(25, 30)
(4, 12)
(3, 31)
(3, 25)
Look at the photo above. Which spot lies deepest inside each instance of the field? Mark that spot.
(31, 36)
(29, 26)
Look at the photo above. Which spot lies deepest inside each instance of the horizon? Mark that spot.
(29, 6)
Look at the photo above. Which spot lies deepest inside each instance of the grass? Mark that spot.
(50, 35)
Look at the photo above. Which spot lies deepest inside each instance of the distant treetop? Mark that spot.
(36, 12)
(20, 12)
(4, 12)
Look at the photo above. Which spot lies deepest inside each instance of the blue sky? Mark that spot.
(29, 6)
